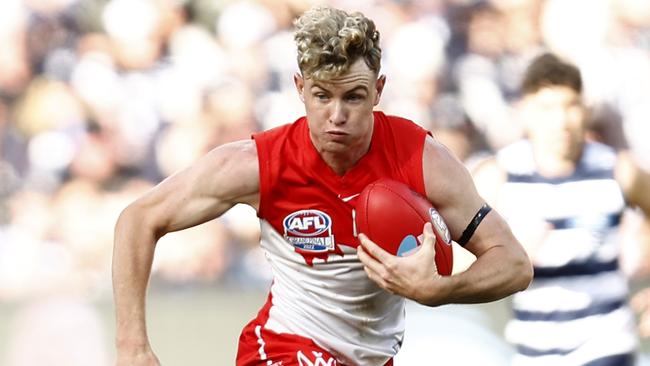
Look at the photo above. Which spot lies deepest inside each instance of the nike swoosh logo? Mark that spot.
(348, 198)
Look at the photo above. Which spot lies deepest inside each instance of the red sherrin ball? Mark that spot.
(392, 215)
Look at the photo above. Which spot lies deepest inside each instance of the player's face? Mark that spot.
(555, 121)
(339, 110)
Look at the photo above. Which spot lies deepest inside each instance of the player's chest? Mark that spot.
(315, 220)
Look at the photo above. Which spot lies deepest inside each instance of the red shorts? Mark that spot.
(262, 347)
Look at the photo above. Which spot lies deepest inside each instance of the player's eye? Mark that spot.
(355, 97)
(321, 96)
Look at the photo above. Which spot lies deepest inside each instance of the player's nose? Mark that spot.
(338, 114)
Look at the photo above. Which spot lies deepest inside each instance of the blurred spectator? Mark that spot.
(452, 127)
(14, 64)
(477, 72)
(620, 99)
(564, 197)
(13, 161)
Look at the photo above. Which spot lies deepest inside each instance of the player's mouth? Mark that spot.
(336, 135)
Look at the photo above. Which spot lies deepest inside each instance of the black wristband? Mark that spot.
(469, 230)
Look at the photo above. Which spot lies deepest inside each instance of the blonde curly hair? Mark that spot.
(330, 40)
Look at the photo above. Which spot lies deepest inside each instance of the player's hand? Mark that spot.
(136, 357)
(414, 276)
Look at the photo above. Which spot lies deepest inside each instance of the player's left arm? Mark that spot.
(502, 266)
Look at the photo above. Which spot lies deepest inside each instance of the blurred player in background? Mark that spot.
(302, 179)
(564, 196)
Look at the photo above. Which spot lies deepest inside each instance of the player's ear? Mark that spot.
(379, 88)
(299, 82)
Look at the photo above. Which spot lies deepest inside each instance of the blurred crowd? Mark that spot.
(101, 99)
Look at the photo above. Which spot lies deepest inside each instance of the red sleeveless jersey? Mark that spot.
(294, 178)
(320, 290)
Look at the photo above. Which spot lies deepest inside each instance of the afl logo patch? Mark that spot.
(309, 230)
(440, 225)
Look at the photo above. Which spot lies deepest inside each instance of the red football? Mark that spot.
(392, 215)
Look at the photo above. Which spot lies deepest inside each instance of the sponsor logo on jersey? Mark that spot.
(440, 225)
(309, 230)
(318, 359)
(349, 198)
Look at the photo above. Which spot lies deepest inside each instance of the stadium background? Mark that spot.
(101, 99)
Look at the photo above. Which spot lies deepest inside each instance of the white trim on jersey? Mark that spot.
(260, 341)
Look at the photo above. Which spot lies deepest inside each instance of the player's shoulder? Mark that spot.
(442, 169)
(228, 172)
(435, 150)
(238, 157)
(240, 149)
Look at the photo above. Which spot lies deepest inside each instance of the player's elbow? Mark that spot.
(523, 272)
(138, 217)
(129, 215)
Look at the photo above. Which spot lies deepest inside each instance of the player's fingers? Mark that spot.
(427, 232)
(374, 249)
(368, 260)
(383, 282)
(383, 271)
(376, 277)
(428, 239)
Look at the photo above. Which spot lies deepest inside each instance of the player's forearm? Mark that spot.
(132, 258)
(496, 274)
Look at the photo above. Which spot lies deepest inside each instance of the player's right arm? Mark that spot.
(502, 266)
(227, 175)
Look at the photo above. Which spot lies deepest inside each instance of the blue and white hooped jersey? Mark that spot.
(575, 311)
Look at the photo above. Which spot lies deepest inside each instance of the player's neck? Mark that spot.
(342, 162)
(343, 158)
